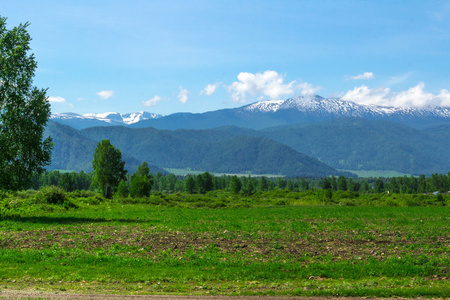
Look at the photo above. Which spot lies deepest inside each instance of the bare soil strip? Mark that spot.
(39, 295)
(339, 244)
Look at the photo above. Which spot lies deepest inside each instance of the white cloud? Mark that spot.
(269, 83)
(56, 99)
(364, 95)
(152, 101)
(366, 75)
(413, 97)
(105, 94)
(444, 95)
(182, 95)
(307, 88)
(210, 89)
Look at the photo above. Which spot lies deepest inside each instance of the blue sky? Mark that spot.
(195, 56)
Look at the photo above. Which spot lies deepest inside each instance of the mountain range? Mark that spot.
(264, 114)
(211, 151)
(102, 119)
(300, 136)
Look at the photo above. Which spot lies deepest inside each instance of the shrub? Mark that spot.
(51, 195)
(82, 194)
(69, 204)
(26, 194)
(440, 199)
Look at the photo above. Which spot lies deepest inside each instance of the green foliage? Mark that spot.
(83, 194)
(51, 195)
(326, 183)
(140, 186)
(123, 190)
(86, 197)
(263, 184)
(189, 184)
(143, 169)
(364, 187)
(235, 185)
(141, 181)
(440, 199)
(204, 183)
(379, 186)
(24, 111)
(69, 181)
(108, 168)
(342, 183)
(219, 199)
(248, 185)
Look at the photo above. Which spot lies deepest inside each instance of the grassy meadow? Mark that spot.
(376, 174)
(186, 172)
(274, 243)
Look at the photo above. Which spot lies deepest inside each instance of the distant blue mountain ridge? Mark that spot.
(299, 136)
(264, 114)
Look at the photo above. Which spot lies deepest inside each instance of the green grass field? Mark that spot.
(386, 174)
(259, 250)
(185, 172)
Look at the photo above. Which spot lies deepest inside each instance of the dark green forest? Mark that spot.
(202, 183)
(359, 144)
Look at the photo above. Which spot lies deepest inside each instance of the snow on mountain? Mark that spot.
(139, 116)
(261, 114)
(265, 106)
(66, 116)
(112, 118)
(109, 117)
(314, 104)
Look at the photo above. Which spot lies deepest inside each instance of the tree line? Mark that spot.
(110, 177)
(142, 183)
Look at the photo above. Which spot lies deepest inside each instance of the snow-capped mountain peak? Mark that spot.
(108, 118)
(262, 114)
(132, 118)
(265, 106)
(315, 104)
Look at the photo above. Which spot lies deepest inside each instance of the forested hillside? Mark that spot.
(359, 144)
(346, 144)
(223, 150)
(73, 151)
(441, 133)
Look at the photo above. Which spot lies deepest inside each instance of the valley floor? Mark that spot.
(141, 249)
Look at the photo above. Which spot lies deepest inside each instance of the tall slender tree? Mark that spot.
(24, 111)
(235, 184)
